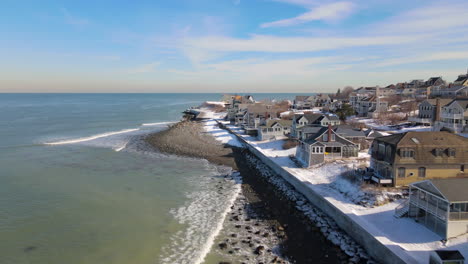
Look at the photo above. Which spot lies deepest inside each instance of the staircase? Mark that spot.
(402, 209)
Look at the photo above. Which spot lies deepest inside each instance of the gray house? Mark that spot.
(311, 119)
(324, 145)
(274, 129)
(441, 205)
(429, 111)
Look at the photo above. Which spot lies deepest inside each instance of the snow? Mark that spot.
(215, 103)
(223, 136)
(411, 241)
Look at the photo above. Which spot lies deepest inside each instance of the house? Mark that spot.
(402, 159)
(446, 257)
(274, 129)
(324, 145)
(258, 114)
(314, 119)
(449, 92)
(441, 205)
(429, 111)
(434, 81)
(369, 106)
(352, 134)
(233, 107)
(322, 100)
(304, 102)
(454, 116)
(462, 80)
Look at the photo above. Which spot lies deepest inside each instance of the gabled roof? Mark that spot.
(443, 102)
(451, 189)
(461, 78)
(282, 122)
(436, 139)
(463, 103)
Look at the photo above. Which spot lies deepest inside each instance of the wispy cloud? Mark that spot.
(426, 57)
(145, 68)
(332, 12)
(267, 43)
(437, 17)
(73, 20)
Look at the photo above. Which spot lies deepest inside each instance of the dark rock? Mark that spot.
(222, 245)
(259, 250)
(29, 249)
(233, 235)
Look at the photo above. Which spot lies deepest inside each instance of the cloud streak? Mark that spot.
(332, 12)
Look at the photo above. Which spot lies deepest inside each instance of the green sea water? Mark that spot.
(94, 196)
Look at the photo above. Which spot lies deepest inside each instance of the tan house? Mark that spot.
(409, 157)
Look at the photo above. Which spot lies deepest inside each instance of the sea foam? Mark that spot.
(84, 139)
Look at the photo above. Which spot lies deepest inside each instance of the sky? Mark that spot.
(228, 45)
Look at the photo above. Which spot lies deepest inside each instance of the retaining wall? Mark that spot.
(374, 247)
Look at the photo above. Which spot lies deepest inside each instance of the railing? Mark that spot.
(430, 208)
(402, 209)
(457, 216)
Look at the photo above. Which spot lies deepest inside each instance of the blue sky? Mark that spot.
(227, 45)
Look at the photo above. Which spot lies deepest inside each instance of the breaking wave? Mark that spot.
(84, 139)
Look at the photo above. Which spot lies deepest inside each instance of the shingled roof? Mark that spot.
(452, 189)
(414, 138)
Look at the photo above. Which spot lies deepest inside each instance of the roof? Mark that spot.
(282, 122)
(454, 189)
(451, 189)
(462, 78)
(413, 138)
(311, 117)
(443, 102)
(462, 102)
(348, 131)
(311, 129)
(449, 255)
(300, 98)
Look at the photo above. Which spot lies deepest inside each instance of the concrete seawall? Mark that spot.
(373, 246)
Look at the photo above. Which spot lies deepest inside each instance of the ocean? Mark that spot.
(75, 189)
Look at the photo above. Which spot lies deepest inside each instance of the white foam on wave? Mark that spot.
(84, 139)
(157, 124)
(204, 216)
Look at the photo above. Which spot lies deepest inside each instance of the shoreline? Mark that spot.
(260, 208)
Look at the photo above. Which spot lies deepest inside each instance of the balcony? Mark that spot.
(417, 119)
(451, 116)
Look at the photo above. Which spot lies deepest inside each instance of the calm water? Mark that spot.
(74, 189)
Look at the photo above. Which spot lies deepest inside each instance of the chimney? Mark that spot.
(329, 133)
(437, 110)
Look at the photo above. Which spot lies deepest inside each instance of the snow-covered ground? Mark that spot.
(406, 238)
(370, 123)
(211, 126)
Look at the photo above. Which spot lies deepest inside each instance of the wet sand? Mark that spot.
(260, 211)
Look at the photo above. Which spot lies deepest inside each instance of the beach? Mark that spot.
(263, 225)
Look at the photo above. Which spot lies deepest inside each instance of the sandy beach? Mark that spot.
(261, 211)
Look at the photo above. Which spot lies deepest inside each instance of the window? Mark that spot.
(438, 152)
(406, 153)
(451, 152)
(401, 172)
(325, 137)
(422, 172)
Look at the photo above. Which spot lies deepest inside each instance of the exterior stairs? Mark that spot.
(402, 209)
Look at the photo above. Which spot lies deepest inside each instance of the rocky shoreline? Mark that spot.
(267, 223)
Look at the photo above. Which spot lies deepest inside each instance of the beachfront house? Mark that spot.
(441, 205)
(454, 116)
(429, 111)
(304, 102)
(274, 129)
(236, 104)
(324, 145)
(311, 119)
(402, 159)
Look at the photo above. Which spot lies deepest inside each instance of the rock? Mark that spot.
(238, 226)
(248, 227)
(259, 250)
(266, 235)
(224, 262)
(280, 228)
(231, 252)
(233, 235)
(222, 245)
